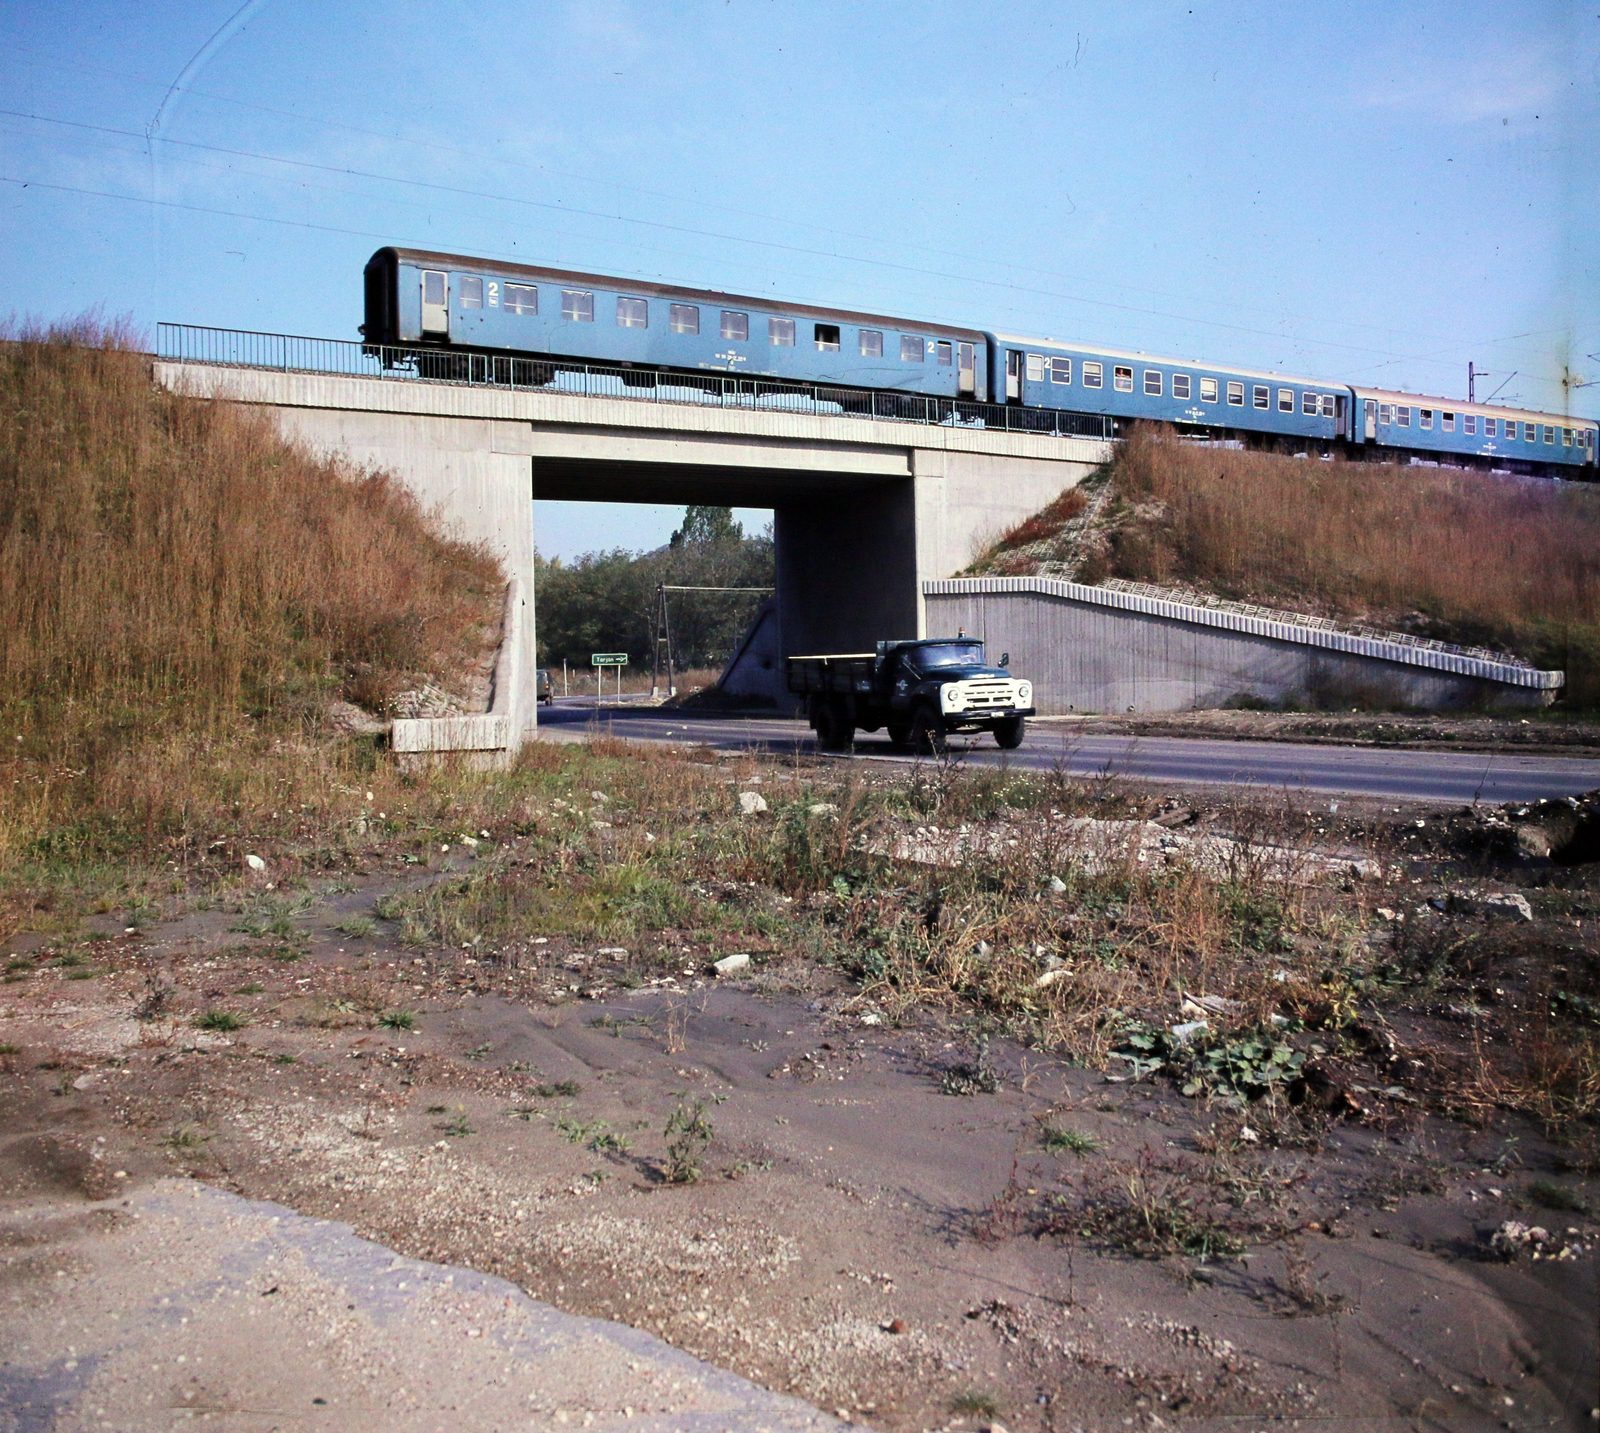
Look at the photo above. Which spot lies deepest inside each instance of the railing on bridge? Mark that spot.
(288, 353)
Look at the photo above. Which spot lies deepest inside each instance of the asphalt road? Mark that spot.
(1432, 776)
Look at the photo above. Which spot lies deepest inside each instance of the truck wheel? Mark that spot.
(1009, 732)
(927, 732)
(834, 730)
(900, 733)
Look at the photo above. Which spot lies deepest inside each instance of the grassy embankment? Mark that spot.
(181, 593)
(1459, 556)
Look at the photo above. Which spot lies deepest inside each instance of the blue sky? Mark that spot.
(1368, 193)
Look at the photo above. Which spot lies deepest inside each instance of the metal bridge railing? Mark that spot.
(289, 353)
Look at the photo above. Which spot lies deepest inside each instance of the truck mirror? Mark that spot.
(1005, 659)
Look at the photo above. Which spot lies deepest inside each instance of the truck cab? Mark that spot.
(920, 690)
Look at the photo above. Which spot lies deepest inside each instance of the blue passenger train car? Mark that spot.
(1436, 427)
(533, 322)
(1045, 373)
(418, 297)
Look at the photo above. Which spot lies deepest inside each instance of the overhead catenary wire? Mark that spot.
(689, 230)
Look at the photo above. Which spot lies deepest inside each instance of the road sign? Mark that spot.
(608, 659)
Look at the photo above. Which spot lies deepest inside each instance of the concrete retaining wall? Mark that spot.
(489, 741)
(1089, 649)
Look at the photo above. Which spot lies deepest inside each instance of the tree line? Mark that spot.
(608, 601)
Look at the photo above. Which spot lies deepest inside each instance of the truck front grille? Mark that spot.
(990, 694)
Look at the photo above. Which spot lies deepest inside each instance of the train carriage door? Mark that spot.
(1371, 409)
(966, 361)
(435, 302)
(1013, 376)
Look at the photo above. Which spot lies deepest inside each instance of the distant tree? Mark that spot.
(707, 525)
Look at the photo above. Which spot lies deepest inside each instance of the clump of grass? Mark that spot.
(397, 1020)
(251, 989)
(187, 1136)
(459, 1127)
(563, 1089)
(1072, 1140)
(357, 927)
(219, 1020)
(974, 1404)
(687, 1132)
(971, 1077)
(9, 1047)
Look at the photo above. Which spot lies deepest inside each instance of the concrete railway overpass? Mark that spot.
(868, 509)
(873, 510)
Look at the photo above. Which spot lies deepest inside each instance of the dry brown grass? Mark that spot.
(180, 594)
(1464, 556)
(172, 561)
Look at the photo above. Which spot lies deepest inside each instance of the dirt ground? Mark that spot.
(898, 1220)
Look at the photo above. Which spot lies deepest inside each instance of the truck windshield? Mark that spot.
(948, 654)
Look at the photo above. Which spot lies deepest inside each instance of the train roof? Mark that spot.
(1487, 410)
(1166, 362)
(671, 291)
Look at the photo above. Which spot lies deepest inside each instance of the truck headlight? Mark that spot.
(952, 699)
(1024, 694)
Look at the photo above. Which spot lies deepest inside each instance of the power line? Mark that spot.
(772, 244)
(626, 188)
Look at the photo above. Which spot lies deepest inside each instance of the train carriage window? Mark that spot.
(1035, 368)
(1309, 404)
(1425, 418)
(1208, 390)
(432, 287)
(1447, 421)
(1261, 397)
(736, 325)
(577, 306)
(1152, 382)
(827, 337)
(1122, 379)
(1386, 412)
(522, 298)
(1469, 423)
(946, 355)
(633, 313)
(1094, 375)
(1236, 395)
(780, 332)
(1328, 405)
(871, 343)
(1488, 427)
(471, 292)
(1403, 416)
(1061, 370)
(684, 318)
(1530, 432)
(910, 349)
(1286, 400)
(1566, 437)
(1549, 433)
(1180, 385)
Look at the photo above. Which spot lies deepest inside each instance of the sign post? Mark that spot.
(600, 661)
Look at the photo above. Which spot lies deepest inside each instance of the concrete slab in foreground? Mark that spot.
(191, 1304)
